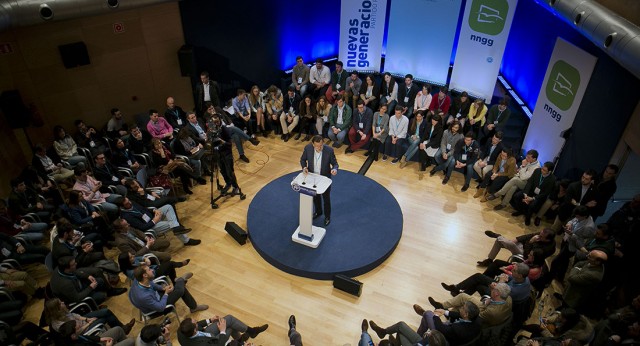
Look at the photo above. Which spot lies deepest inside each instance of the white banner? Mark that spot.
(483, 36)
(361, 34)
(560, 96)
(412, 48)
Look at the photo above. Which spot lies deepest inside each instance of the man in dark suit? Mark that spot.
(581, 192)
(320, 159)
(206, 91)
(529, 200)
(197, 129)
(407, 96)
(176, 117)
(208, 332)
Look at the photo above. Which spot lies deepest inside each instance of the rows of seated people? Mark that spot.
(110, 188)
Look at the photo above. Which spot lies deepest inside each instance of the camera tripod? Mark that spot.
(214, 166)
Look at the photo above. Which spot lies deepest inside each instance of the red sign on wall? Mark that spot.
(118, 28)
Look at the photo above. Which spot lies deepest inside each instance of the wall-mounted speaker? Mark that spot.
(186, 59)
(236, 232)
(347, 284)
(74, 54)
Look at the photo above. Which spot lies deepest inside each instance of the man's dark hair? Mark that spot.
(316, 139)
(591, 172)
(16, 181)
(64, 228)
(499, 134)
(504, 102)
(533, 153)
(79, 170)
(581, 210)
(299, 57)
(339, 63)
(549, 165)
(67, 329)
(398, 108)
(151, 111)
(241, 91)
(114, 111)
(77, 122)
(408, 76)
(139, 272)
(187, 327)
(470, 134)
(604, 228)
(204, 74)
(65, 261)
(360, 102)
(444, 89)
(339, 97)
(318, 60)
(150, 333)
(472, 310)
(614, 168)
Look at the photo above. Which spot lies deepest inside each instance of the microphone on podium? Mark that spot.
(304, 181)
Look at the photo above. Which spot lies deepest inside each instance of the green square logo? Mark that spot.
(563, 84)
(488, 16)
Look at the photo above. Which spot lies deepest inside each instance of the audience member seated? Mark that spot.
(139, 142)
(90, 138)
(415, 135)
(174, 114)
(66, 147)
(234, 132)
(12, 248)
(582, 281)
(165, 164)
(72, 335)
(450, 137)
(128, 262)
(488, 155)
(577, 232)
(154, 335)
(242, 113)
(441, 103)
(199, 159)
(45, 166)
(423, 99)
(161, 220)
(108, 174)
(131, 240)
(158, 127)
(519, 181)
(602, 241)
(494, 310)
(618, 323)
(496, 120)
(339, 122)
(57, 313)
(15, 226)
(116, 126)
(459, 109)
(521, 245)
(535, 260)
(299, 77)
(561, 325)
(354, 83)
(550, 208)
(90, 189)
(71, 289)
(502, 171)
(274, 108)
(360, 131)
(529, 200)
(216, 331)
(476, 117)
(123, 158)
(431, 142)
(289, 118)
(338, 84)
(319, 78)
(150, 199)
(407, 95)
(23, 200)
(308, 116)
(518, 281)
(150, 297)
(389, 92)
(85, 216)
(68, 243)
(258, 107)
(579, 193)
(464, 156)
(196, 128)
(398, 128)
(369, 93)
(323, 109)
(380, 127)
(22, 285)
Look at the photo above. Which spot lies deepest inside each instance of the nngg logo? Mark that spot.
(562, 85)
(488, 16)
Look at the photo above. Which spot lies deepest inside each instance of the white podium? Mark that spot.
(308, 186)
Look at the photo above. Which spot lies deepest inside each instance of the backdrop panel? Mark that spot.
(361, 33)
(412, 48)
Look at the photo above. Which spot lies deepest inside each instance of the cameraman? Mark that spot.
(155, 334)
(221, 143)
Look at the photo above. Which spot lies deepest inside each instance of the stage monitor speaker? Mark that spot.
(236, 232)
(185, 57)
(347, 284)
(17, 114)
(74, 54)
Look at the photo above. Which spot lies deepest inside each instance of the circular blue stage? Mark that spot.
(366, 226)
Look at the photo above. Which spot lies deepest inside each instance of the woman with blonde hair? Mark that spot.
(256, 101)
(322, 115)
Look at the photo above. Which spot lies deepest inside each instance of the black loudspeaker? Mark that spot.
(74, 54)
(347, 284)
(236, 232)
(18, 116)
(185, 57)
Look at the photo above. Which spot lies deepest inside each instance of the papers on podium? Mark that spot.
(309, 185)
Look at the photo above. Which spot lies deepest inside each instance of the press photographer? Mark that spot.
(220, 141)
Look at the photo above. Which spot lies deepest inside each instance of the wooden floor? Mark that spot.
(443, 237)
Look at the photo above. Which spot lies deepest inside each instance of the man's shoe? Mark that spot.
(499, 207)
(451, 288)
(254, 331)
(181, 230)
(127, 327)
(116, 291)
(394, 161)
(435, 304)
(297, 137)
(193, 242)
(225, 189)
(292, 322)
(181, 198)
(465, 187)
(384, 157)
(517, 213)
(527, 221)
(327, 221)
(365, 325)
(418, 309)
(376, 328)
(282, 136)
(445, 180)
(537, 221)
(254, 141)
(286, 137)
(316, 215)
(403, 162)
(432, 172)
(491, 234)
(200, 307)
(348, 151)
(491, 197)
(335, 144)
(244, 158)
(393, 341)
(187, 191)
(367, 153)
(484, 263)
(201, 181)
(186, 276)
(306, 138)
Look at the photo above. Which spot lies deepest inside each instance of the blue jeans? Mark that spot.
(413, 148)
(34, 233)
(394, 148)
(339, 137)
(237, 136)
(365, 340)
